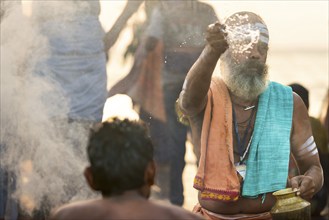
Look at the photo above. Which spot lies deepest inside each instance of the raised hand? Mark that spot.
(216, 37)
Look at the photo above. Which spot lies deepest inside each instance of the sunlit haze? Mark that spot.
(298, 41)
(292, 24)
(298, 53)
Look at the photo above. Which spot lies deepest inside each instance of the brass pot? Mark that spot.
(290, 206)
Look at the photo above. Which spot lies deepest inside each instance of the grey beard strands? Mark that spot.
(241, 82)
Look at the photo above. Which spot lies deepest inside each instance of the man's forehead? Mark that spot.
(242, 18)
(244, 30)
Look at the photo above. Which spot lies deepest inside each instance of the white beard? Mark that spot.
(246, 80)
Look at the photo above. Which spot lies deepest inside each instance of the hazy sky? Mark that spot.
(297, 24)
(293, 24)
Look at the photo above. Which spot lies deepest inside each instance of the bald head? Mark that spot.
(244, 17)
(245, 29)
(243, 65)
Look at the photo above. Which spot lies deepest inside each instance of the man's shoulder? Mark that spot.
(175, 212)
(76, 210)
(146, 210)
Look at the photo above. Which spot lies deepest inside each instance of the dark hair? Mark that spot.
(301, 91)
(119, 152)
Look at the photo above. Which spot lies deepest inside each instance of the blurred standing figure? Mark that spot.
(76, 61)
(143, 85)
(321, 139)
(75, 64)
(180, 25)
(112, 35)
(72, 58)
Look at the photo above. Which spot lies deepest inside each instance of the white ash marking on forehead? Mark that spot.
(240, 19)
(242, 36)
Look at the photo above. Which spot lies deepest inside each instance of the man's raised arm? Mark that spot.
(193, 97)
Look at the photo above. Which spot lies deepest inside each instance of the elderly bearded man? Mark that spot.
(245, 125)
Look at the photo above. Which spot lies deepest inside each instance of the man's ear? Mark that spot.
(90, 178)
(150, 173)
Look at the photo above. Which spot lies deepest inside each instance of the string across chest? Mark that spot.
(246, 125)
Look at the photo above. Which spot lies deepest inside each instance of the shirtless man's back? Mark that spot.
(122, 168)
(123, 208)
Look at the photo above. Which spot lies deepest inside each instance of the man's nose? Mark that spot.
(254, 53)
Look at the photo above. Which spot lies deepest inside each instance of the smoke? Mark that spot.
(35, 132)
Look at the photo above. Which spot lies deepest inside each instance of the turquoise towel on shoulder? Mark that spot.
(267, 163)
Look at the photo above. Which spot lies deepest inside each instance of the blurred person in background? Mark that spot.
(319, 200)
(324, 117)
(76, 64)
(76, 61)
(122, 168)
(73, 62)
(113, 34)
(180, 27)
(143, 85)
(243, 123)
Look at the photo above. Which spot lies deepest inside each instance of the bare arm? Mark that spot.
(194, 94)
(113, 34)
(150, 43)
(305, 152)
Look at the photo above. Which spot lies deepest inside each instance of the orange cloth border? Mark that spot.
(216, 175)
(209, 194)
